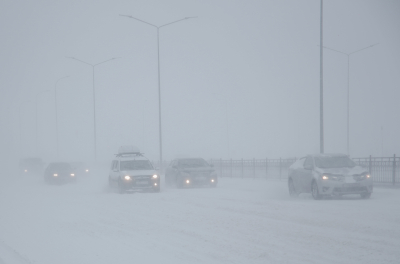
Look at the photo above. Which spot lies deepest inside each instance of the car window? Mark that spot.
(115, 165)
(193, 163)
(136, 165)
(334, 162)
(298, 164)
(309, 162)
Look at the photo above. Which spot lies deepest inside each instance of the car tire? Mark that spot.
(315, 191)
(365, 195)
(292, 189)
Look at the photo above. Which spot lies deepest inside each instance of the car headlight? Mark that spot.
(325, 177)
(87, 170)
(72, 174)
(155, 176)
(187, 181)
(127, 177)
(55, 174)
(212, 180)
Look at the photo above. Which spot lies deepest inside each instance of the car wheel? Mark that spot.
(365, 195)
(314, 191)
(292, 190)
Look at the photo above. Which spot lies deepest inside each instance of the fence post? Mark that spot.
(370, 164)
(394, 170)
(266, 168)
(280, 168)
(231, 168)
(254, 168)
(220, 166)
(242, 168)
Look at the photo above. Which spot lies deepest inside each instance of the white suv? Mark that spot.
(130, 170)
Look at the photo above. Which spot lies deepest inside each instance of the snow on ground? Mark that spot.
(240, 221)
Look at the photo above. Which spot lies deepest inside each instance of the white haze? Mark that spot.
(241, 80)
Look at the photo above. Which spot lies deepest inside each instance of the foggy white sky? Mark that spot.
(243, 70)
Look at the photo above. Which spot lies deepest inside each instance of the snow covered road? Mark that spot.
(240, 221)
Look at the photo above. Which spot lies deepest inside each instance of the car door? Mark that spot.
(115, 170)
(307, 174)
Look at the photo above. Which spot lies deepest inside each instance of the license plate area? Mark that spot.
(142, 182)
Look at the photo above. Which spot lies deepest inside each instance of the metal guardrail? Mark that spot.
(253, 168)
(382, 169)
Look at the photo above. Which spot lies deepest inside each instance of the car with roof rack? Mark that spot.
(131, 170)
(329, 175)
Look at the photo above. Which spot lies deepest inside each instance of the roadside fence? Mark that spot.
(382, 169)
(253, 168)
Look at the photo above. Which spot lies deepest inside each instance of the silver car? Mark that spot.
(328, 175)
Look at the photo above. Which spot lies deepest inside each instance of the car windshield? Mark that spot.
(60, 166)
(334, 162)
(193, 163)
(136, 165)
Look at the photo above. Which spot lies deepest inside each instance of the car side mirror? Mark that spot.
(308, 167)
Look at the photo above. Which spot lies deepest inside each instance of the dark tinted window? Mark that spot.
(308, 162)
(192, 163)
(60, 166)
(334, 162)
(135, 165)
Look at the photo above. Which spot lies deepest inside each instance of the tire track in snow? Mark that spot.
(11, 256)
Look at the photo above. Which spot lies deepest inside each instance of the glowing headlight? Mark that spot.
(155, 176)
(187, 181)
(155, 184)
(368, 176)
(127, 177)
(26, 170)
(212, 180)
(87, 170)
(324, 177)
(72, 174)
(55, 174)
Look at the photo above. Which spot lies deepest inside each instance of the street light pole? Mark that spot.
(94, 99)
(159, 78)
(55, 100)
(36, 117)
(321, 90)
(348, 88)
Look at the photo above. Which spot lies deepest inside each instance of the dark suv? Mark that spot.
(59, 172)
(190, 172)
